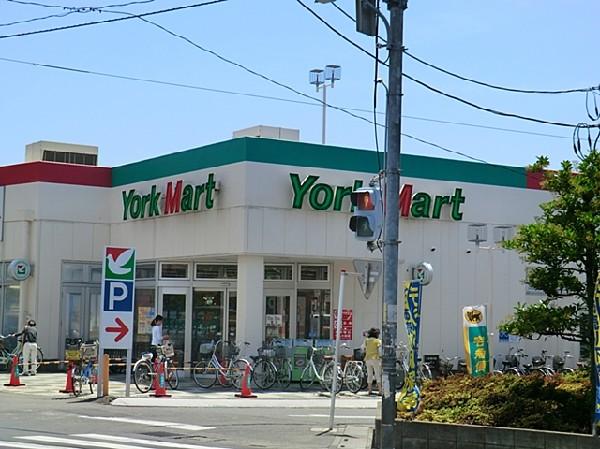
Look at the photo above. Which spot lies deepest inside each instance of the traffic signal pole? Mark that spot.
(391, 223)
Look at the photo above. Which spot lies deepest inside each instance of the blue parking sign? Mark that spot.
(118, 296)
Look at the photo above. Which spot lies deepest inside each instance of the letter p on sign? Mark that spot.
(118, 296)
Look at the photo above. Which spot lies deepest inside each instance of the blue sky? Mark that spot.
(530, 44)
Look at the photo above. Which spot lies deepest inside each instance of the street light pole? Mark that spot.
(319, 78)
(390, 245)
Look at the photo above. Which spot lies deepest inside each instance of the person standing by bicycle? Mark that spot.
(29, 339)
(157, 336)
(372, 346)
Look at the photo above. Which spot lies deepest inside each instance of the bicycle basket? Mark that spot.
(511, 361)
(166, 350)
(206, 349)
(537, 361)
(282, 352)
(558, 362)
(88, 351)
(358, 354)
(268, 352)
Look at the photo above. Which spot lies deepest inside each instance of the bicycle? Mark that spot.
(323, 374)
(559, 362)
(353, 373)
(86, 373)
(207, 373)
(143, 370)
(7, 355)
(272, 366)
(402, 367)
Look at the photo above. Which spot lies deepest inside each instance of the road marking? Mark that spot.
(48, 439)
(31, 445)
(314, 415)
(141, 441)
(143, 422)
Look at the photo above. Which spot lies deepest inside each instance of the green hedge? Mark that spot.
(560, 403)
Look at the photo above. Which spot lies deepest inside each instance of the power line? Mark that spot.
(118, 19)
(44, 5)
(69, 10)
(493, 86)
(260, 96)
(482, 83)
(440, 92)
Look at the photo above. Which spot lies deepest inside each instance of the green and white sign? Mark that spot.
(321, 196)
(19, 269)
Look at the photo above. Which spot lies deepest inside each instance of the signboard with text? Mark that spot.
(346, 330)
(118, 297)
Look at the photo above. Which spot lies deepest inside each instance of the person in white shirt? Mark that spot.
(157, 336)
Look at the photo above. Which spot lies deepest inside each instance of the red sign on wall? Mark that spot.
(346, 331)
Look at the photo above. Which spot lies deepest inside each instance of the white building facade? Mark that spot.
(246, 239)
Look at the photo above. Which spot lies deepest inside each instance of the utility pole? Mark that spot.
(390, 244)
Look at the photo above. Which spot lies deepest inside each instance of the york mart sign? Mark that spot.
(177, 197)
(321, 196)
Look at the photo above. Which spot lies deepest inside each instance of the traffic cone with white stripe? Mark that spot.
(14, 374)
(69, 384)
(159, 381)
(246, 390)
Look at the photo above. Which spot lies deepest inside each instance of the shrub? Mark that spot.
(560, 403)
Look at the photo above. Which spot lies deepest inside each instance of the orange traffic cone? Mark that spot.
(69, 384)
(246, 391)
(159, 381)
(14, 374)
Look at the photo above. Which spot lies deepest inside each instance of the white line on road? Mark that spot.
(141, 441)
(31, 445)
(314, 415)
(47, 439)
(143, 422)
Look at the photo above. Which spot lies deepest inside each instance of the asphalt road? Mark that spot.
(41, 422)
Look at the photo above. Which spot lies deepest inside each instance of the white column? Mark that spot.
(250, 301)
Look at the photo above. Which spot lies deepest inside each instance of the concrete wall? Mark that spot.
(426, 435)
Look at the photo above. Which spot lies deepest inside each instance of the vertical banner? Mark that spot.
(596, 354)
(476, 340)
(408, 396)
(346, 330)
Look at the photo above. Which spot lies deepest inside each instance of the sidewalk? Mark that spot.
(190, 395)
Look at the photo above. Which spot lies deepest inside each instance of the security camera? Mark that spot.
(468, 251)
(432, 249)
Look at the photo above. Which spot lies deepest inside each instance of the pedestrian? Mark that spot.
(157, 336)
(372, 347)
(29, 341)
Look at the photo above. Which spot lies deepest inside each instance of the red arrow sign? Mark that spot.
(121, 328)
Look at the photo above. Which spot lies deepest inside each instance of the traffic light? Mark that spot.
(366, 17)
(367, 221)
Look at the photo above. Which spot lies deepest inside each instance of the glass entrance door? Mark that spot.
(207, 318)
(313, 314)
(81, 308)
(174, 305)
(277, 314)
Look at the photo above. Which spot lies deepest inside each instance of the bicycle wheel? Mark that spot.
(236, 371)
(424, 372)
(327, 376)
(204, 374)
(354, 377)
(40, 357)
(284, 374)
(77, 381)
(143, 375)
(172, 377)
(93, 379)
(307, 378)
(264, 374)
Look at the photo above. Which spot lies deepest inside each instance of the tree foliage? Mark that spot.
(563, 244)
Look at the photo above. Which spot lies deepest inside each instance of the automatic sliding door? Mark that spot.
(207, 318)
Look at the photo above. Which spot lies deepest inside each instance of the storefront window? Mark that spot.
(212, 271)
(278, 272)
(145, 311)
(145, 271)
(74, 314)
(174, 325)
(277, 317)
(313, 314)
(314, 273)
(232, 315)
(207, 319)
(73, 272)
(10, 319)
(174, 270)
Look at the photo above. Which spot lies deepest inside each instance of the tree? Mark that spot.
(564, 245)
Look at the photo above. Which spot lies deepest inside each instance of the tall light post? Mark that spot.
(320, 78)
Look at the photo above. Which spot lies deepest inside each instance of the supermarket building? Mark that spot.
(246, 238)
